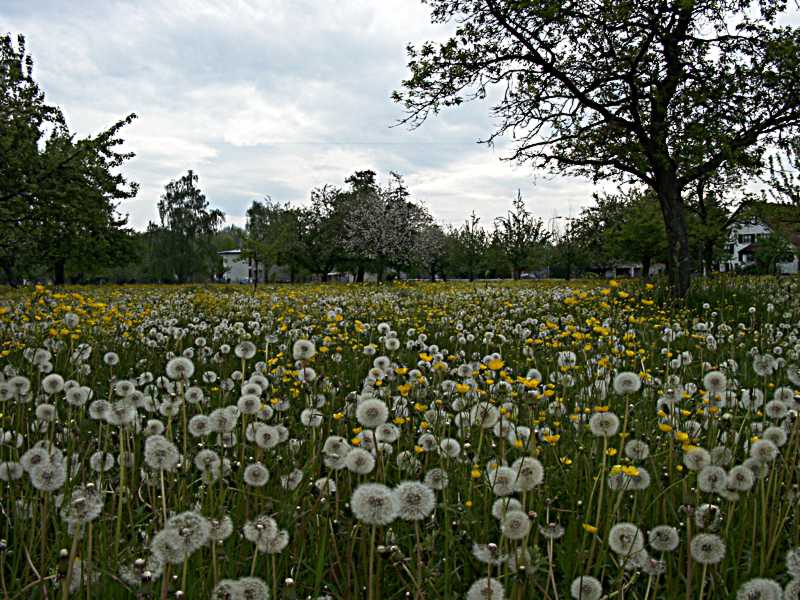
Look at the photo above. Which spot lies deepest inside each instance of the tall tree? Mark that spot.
(189, 224)
(637, 234)
(274, 237)
(520, 236)
(660, 92)
(323, 226)
(58, 194)
(472, 242)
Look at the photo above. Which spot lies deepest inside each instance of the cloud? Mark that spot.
(269, 97)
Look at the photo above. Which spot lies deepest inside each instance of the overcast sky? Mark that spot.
(269, 97)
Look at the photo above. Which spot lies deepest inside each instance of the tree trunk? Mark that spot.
(708, 256)
(325, 277)
(669, 195)
(9, 273)
(255, 275)
(646, 267)
(360, 274)
(515, 273)
(58, 272)
(380, 272)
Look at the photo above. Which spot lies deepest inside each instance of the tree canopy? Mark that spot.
(655, 91)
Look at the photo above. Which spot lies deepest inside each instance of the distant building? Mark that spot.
(633, 269)
(237, 269)
(758, 223)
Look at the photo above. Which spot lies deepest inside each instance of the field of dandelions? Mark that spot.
(426, 441)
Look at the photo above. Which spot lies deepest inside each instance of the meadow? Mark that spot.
(551, 440)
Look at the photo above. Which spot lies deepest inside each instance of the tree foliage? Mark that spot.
(58, 194)
(520, 235)
(658, 92)
(187, 226)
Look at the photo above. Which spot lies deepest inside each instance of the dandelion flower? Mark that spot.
(696, 459)
(436, 479)
(712, 479)
(530, 473)
(226, 589)
(48, 477)
(792, 590)
(626, 539)
(501, 506)
(374, 504)
(169, 546)
(275, 544)
(180, 368)
(245, 350)
(359, 461)
(486, 588)
(10, 471)
(253, 588)
(627, 383)
(372, 413)
(52, 384)
(793, 562)
(760, 588)
(715, 382)
(199, 426)
(415, 500)
(84, 504)
(450, 447)
(637, 450)
(256, 475)
(260, 529)
(764, 451)
(586, 587)
(707, 548)
(160, 453)
(740, 478)
(220, 529)
(303, 350)
(267, 437)
(604, 424)
(193, 529)
(663, 538)
(502, 480)
(515, 525)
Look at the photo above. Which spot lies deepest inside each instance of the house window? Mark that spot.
(729, 248)
(747, 238)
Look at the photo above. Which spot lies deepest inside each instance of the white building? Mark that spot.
(236, 268)
(742, 243)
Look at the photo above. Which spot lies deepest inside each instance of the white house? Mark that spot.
(743, 239)
(236, 268)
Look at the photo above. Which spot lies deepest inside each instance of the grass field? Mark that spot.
(487, 441)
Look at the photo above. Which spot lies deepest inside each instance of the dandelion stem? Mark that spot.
(72, 552)
(370, 589)
(163, 495)
(702, 582)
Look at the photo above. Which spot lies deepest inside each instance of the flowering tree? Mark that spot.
(384, 224)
